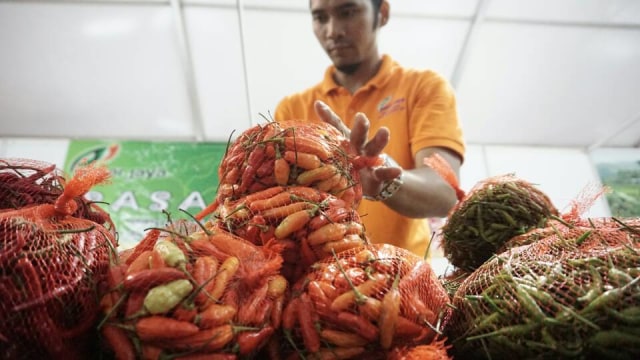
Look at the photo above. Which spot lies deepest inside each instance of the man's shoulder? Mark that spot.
(419, 74)
(427, 79)
(303, 95)
(298, 104)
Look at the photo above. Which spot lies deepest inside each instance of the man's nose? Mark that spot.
(334, 29)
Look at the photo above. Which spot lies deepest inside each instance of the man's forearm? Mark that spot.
(423, 194)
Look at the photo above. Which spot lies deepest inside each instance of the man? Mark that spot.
(411, 113)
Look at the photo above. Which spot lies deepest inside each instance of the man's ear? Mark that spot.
(384, 13)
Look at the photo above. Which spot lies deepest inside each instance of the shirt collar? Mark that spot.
(377, 81)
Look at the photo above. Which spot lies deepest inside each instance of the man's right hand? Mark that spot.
(372, 179)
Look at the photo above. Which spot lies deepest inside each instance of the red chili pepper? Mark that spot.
(119, 342)
(359, 325)
(276, 311)
(248, 312)
(153, 328)
(203, 247)
(147, 279)
(310, 336)
(290, 313)
(249, 342)
(204, 271)
(134, 303)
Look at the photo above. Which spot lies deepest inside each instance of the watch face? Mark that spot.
(390, 188)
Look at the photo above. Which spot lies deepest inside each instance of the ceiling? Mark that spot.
(555, 73)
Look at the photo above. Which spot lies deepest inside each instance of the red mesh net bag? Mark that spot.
(290, 153)
(437, 350)
(573, 293)
(361, 303)
(26, 182)
(309, 224)
(187, 290)
(53, 265)
(573, 217)
(493, 212)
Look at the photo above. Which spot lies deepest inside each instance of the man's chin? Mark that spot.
(347, 68)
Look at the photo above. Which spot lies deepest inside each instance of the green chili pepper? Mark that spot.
(630, 315)
(595, 288)
(170, 252)
(161, 299)
(619, 277)
(608, 297)
(614, 338)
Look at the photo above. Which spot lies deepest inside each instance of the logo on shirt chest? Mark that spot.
(389, 105)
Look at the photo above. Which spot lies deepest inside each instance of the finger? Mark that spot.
(386, 173)
(359, 132)
(327, 115)
(375, 146)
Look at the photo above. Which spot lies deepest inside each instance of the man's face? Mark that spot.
(345, 29)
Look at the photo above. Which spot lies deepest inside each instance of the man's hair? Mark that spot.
(376, 9)
(376, 5)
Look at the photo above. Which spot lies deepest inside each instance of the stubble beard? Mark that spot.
(348, 69)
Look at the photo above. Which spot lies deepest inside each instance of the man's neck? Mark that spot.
(356, 80)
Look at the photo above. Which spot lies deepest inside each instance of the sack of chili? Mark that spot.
(187, 289)
(573, 293)
(290, 153)
(310, 224)
(364, 302)
(53, 262)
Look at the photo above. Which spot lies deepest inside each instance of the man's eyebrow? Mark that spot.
(345, 6)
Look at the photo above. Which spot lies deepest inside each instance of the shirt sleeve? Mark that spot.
(283, 110)
(434, 116)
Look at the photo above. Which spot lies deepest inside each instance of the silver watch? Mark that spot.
(389, 187)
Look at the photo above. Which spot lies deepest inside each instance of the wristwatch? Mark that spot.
(389, 187)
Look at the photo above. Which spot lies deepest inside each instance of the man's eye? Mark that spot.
(348, 13)
(321, 18)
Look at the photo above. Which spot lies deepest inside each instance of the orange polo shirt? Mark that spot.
(418, 107)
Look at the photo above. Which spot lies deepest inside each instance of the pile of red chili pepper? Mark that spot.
(186, 292)
(310, 224)
(53, 262)
(216, 287)
(364, 303)
(291, 153)
(297, 183)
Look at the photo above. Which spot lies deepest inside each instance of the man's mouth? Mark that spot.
(338, 47)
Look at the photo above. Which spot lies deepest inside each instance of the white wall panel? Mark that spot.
(592, 11)
(474, 168)
(563, 86)
(214, 37)
(53, 151)
(424, 43)
(277, 4)
(405, 7)
(283, 56)
(562, 174)
(91, 70)
(464, 8)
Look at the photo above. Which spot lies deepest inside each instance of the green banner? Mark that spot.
(147, 178)
(619, 170)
